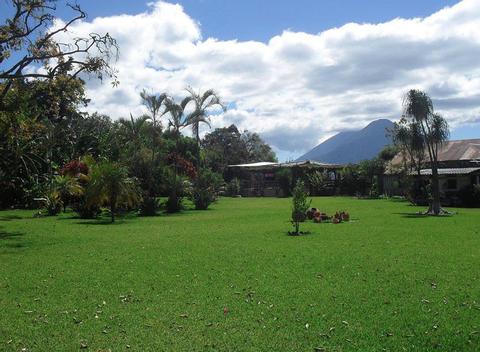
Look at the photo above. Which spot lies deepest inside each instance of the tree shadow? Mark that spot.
(421, 216)
(4, 235)
(11, 240)
(10, 217)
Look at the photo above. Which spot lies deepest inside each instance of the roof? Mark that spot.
(466, 149)
(270, 165)
(450, 171)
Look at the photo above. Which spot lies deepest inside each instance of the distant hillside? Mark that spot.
(352, 146)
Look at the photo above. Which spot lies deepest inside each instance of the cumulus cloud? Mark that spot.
(298, 87)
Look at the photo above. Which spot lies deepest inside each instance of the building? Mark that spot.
(459, 168)
(264, 179)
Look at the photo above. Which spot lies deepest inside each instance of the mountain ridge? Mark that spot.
(350, 147)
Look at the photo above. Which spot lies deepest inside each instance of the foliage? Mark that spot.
(228, 146)
(233, 187)
(67, 187)
(318, 182)
(110, 185)
(433, 130)
(205, 188)
(300, 205)
(284, 177)
(74, 168)
(176, 188)
(32, 35)
(53, 203)
(204, 104)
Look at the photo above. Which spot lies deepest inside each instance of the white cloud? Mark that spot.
(298, 87)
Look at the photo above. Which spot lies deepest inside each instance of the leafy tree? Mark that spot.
(434, 131)
(257, 149)
(110, 185)
(223, 147)
(30, 36)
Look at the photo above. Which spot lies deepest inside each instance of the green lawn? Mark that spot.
(386, 281)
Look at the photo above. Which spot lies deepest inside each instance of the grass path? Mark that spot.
(386, 281)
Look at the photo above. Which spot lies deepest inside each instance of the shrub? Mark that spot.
(233, 187)
(300, 205)
(176, 191)
(205, 188)
(53, 203)
(110, 185)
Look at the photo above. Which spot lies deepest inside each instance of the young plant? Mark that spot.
(300, 205)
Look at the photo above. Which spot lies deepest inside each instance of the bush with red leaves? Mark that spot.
(74, 168)
(183, 164)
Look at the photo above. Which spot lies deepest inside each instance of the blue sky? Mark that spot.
(297, 72)
(262, 19)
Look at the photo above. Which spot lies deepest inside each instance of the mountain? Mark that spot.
(352, 146)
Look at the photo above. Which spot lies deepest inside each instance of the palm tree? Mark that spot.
(109, 184)
(434, 130)
(133, 129)
(66, 187)
(204, 103)
(154, 104)
(408, 138)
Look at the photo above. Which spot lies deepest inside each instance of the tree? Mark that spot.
(257, 149)
(204, 103)
(434, 131)
(179, 119)
(31, 36)
(132, 129)
(223, 147)
(66, 187)
(300, 205)
(154, 104)
(109, 184)
(407, 137)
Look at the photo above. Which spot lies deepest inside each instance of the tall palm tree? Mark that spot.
(109, 184)
(204, 104)
(179, 119)
(418, 106)
(154, 104)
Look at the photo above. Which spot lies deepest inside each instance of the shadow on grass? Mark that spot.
(10, 217)
(421, 216)
(4, 235)
(11, 240)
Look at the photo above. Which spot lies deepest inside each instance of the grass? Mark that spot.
(230, 279)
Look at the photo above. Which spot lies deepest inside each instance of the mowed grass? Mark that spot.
(230, 279)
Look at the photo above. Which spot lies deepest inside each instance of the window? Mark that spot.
(451, 184)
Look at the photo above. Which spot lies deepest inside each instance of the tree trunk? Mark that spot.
(113, 208)
(435, 206)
